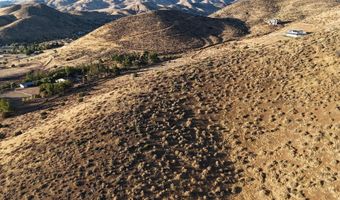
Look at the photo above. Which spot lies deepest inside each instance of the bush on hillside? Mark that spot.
(115, 70)
(49, 89)
(35, 76)
(134, 59)
(338, 53)
(5, 107)
(2, 136)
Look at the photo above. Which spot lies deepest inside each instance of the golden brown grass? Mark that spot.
(240, 120)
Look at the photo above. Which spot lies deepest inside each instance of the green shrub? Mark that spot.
(2, 136)
(35, 76)
(49, 89)
(60, 88)
(46, 89)
(153, 58)
(81, 94)
(134, 59)
(43, 115)
(5, 108)
(115, 71)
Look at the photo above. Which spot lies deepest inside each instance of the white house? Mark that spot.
(295, 33)
(60, 80)
(273, 22)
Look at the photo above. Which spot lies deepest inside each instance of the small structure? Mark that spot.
(296, 33)
(60, 80)
(273, 22)
(26, 85)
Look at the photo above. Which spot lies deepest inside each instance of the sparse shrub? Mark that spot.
(29, 51)
(43, 115)
(338, 54)
(18, 133)
(2, 136)
(115, 71)
(7, 86)
(5, 108)
(70, 71)
(153, 58)
(134, 75)
(81, 94)
(95, 69)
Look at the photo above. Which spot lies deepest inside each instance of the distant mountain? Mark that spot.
(127, 7)
(38, 22)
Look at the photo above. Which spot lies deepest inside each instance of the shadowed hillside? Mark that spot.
(38, 22)
(128, 7)
(168, 31)
(161, 31)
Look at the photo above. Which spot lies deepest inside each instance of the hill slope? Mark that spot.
(256, 12)
(160, 31)
(242, 120)
(38, 22)
(127, 7)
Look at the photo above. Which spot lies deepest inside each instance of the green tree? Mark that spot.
(47, 89)
(5, 107)
(153, 58)
(60, 88)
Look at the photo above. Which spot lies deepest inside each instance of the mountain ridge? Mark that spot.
(39, 22)
(128, 7)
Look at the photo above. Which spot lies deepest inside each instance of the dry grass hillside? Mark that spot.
(38, 22)
(256, 12)
(239, 120)
(131, 7)
(160, 31)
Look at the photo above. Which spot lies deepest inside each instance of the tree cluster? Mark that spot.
(135, 59)
(49, 89)
(29, 49)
